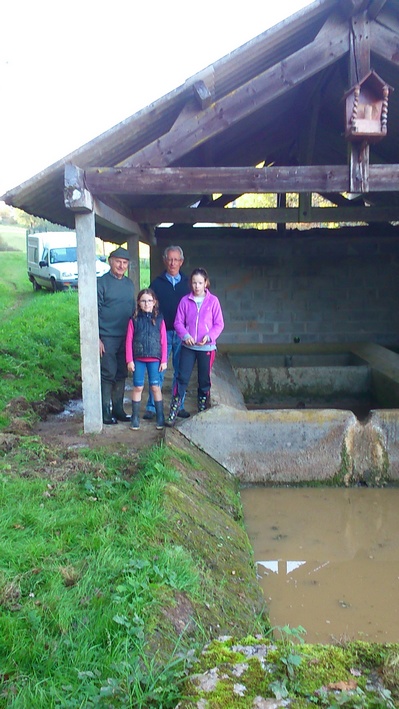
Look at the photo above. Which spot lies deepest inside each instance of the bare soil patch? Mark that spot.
(63, 426)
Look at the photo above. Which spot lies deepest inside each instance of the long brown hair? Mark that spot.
(155, 309)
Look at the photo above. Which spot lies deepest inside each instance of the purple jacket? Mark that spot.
(208, 320)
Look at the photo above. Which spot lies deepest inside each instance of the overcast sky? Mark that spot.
(70, 71)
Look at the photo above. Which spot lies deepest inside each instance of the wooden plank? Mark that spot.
(359, 54)
(231, 180)
(359, 66)
(384, 178)
(375, 8)
(349, 8)
(246, 99)
(234, 180)
(385, 43)
(272, 215)
(111, 217)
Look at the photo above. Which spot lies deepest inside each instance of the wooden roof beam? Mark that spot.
(233, 180)
(384, 42)
(185, 136)
(271, 215)
(375, 8)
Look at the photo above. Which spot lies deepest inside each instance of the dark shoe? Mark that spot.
(174, 408)
(183, 414)
(203, 403)
(135, 418)
(160, 415)
(118, 390)
(107, 420)
(149, 415)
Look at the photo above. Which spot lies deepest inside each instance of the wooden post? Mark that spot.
(359, 66)
(88, 317)
(134, 266)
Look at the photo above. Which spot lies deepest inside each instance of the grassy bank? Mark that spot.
(39, 338)
(102, 601)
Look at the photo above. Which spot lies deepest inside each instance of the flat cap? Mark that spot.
(120, 253)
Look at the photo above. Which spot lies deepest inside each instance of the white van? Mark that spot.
(52, 260)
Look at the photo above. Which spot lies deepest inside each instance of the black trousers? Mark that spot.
(188, 358)
(113, 361)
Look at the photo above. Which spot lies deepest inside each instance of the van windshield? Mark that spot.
(63, 255)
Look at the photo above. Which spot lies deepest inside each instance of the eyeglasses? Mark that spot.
(146, 301)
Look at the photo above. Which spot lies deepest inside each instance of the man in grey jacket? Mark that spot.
(115, 297)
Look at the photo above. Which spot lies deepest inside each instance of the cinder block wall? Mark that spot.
(319, 286)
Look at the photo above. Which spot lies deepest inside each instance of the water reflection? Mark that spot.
(328, 559)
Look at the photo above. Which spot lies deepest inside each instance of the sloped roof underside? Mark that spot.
(276, 131)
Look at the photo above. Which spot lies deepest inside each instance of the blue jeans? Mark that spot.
(152, 369)
(174, 347)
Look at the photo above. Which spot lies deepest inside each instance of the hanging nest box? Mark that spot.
(367, 109)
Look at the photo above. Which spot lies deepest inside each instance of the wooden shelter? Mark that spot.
(267, 118)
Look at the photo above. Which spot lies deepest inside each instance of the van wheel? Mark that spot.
(35, 285)
(53, 285)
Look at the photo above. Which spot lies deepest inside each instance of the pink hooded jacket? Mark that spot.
(208, 320)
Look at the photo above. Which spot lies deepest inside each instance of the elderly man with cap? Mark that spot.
(115, 297)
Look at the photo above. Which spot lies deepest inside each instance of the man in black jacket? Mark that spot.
(115, 297)
(169, 288)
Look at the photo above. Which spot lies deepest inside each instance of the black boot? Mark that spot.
(203, 402)
(174, 408)
(159, 414)
(106, 392)
(135, 419)
(118, 391)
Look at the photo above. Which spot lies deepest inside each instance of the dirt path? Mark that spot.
(66, 429)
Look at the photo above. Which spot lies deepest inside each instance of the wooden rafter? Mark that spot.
(329, 46)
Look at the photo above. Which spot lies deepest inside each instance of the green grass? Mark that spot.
(39, 337)
(86, 563)
(14, 237)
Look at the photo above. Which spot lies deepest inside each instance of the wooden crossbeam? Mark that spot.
(272, 215)
(233, 180)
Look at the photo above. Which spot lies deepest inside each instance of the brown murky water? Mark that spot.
(328, 559)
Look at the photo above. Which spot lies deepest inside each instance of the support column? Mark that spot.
(88, 317)
(134, 266)
(359, 66)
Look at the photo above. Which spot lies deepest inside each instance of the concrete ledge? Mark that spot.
(272, 446)
(283, 446)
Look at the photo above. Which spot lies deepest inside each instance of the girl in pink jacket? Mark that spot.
(198, 323)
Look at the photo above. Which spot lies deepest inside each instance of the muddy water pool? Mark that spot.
(328, 559)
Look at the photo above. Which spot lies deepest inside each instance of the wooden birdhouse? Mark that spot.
(367, 109)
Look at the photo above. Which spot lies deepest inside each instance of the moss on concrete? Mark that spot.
(233, 674)
(205, 515)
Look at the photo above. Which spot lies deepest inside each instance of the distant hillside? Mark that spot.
(12, 238)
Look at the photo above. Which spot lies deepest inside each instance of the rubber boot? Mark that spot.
(118, 391)
(203, 402)
(106, 393)
(174, 408)
(135, 418)
(159, 414)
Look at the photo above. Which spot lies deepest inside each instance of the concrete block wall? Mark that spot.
(325, 285)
